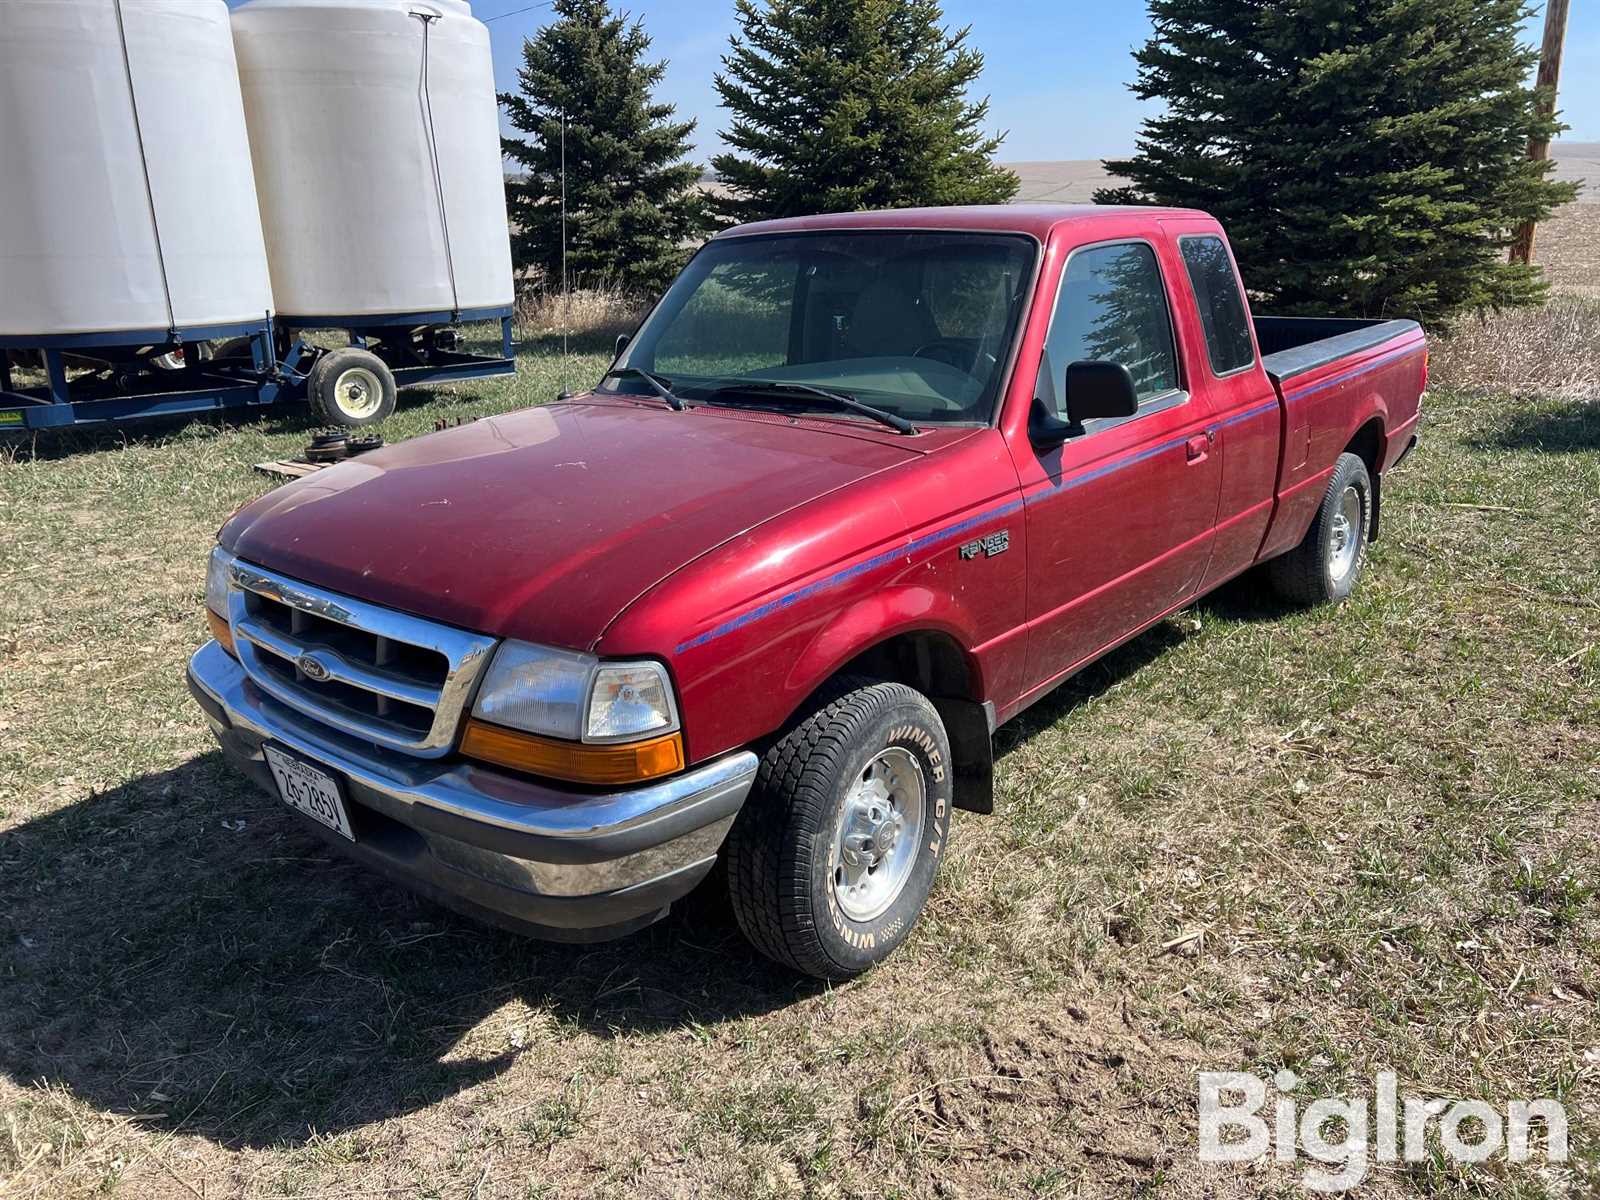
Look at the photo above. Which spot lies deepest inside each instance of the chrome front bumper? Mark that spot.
(571, 865)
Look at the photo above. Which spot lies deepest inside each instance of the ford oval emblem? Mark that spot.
(312, 669)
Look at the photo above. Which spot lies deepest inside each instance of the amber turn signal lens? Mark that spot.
(632, 762)
(221, 630)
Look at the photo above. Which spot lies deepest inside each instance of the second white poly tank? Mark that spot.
(375, 133)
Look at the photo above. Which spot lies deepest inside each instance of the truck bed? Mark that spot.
(1292, 346)
(1323, 367)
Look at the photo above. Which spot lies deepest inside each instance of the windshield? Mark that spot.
(916, 324)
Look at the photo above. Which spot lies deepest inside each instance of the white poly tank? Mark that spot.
(376, 136)
(127, 200)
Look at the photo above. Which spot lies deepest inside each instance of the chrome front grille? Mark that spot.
(380, 675)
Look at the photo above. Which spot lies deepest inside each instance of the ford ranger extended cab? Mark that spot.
(860, 489)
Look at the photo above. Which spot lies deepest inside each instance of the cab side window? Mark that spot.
(1216, 293)
(1113, 308)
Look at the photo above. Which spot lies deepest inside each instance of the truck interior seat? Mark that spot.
(890, 320)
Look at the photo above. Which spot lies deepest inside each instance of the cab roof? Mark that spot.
(1034, 220)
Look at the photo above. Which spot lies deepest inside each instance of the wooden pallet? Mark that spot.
(290, 468)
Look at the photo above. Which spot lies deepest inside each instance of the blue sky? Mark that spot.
(1056, 70)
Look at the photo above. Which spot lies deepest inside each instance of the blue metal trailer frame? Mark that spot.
(202, 386)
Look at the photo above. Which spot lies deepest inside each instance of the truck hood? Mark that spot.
(545, 524)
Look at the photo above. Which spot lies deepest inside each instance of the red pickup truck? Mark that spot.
(860, 489)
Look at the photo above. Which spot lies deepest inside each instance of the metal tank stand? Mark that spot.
(418, 347)
(117, 378)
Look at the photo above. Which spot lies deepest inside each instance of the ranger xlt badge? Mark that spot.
(995, 543)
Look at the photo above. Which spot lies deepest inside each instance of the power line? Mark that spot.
(516, 12)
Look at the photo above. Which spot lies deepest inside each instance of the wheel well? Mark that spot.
(935, 664)
(931, 662)
(1368, 445)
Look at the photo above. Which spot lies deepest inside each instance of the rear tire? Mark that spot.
(1326, 566)
(351, 387)
(832, 858)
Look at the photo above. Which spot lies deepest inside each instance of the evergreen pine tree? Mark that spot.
(839, 105)
(631, 198)
(1368, 157)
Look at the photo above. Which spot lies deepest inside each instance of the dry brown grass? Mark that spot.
(1551, 351)
(1340, 841)
(587, 313)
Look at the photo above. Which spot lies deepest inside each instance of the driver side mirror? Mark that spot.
(622, 343)
(1095, 391)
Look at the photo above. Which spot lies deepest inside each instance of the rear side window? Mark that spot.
(1216, 292)
(1113, 308)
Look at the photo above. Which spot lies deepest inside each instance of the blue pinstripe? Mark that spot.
(955, 531)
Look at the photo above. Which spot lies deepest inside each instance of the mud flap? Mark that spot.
(969, 727)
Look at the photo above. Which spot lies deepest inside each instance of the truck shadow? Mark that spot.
(1097, 678)
(177, 950)
(1247, 599)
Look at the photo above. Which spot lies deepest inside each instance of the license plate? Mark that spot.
(309, 789)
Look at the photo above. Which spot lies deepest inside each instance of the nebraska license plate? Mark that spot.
(309, 789)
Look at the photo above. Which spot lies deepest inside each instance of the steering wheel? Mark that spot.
(957, 354)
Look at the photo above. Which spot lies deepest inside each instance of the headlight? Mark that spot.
(567, 715)
(218, 584)
(564, 694)
(629, 700)
(537, 689)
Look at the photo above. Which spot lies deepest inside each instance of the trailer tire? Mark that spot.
(860, 785)
(351, 387)
(239, 347)
(1325, 567)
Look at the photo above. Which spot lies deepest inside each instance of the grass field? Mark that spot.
(1337, 841)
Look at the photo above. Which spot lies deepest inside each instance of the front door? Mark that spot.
(1120, 518)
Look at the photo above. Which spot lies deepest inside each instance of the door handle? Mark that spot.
(1199, 445)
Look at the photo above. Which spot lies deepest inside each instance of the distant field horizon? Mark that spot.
(1073, 181)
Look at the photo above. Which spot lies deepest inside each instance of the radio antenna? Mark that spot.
(566, 295)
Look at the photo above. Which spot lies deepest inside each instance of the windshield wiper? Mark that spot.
(657, 385)
(775, 390)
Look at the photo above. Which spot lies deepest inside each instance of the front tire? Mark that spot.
(834, 854)
(1326, 566)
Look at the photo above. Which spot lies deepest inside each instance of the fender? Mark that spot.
(1375, 454)
(875, 623)
(1298, 503)
(873, 620)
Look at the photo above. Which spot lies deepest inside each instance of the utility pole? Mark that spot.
(1549, 82)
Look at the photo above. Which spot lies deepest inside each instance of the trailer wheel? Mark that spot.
(351, 387)
(238, 347)
(174, 360)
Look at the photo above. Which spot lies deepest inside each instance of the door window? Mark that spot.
(1222, 313)
(1113, 308)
